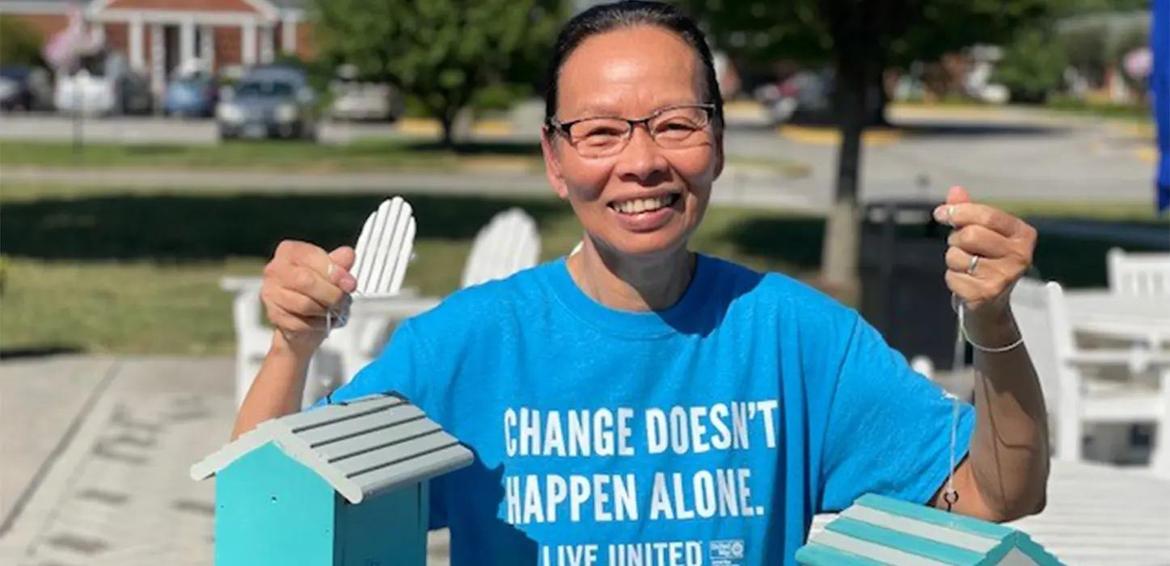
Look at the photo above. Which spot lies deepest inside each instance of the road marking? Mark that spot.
(832, 136)
(1147, 154)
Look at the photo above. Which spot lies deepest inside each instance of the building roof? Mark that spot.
(47, 2)
(361, 448)
(62, 6)
(38, 6)
(262, 7)
(288, 4)
(878, 529)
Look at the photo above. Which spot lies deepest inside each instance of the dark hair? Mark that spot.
(608, 17)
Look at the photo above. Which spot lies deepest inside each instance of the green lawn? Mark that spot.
(1128, 112)
(307, 157)
(1058, 105)
(103, 270)
(137, 272)
(273, 155)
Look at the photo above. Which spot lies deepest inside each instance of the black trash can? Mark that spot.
(903, 288)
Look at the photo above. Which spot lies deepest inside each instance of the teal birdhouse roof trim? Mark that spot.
(360, 448)
(878, 529)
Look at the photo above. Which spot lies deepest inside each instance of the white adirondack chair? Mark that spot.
(384, 248)
(1077, 387)
(383, 251)
(1145, 274)
(508, 243)
(252, 335)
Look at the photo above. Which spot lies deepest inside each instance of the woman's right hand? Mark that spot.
(301, 283)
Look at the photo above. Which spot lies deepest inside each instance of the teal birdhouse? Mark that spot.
(340, 485)
(881, 530)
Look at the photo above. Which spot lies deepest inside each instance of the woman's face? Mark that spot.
(644, 200)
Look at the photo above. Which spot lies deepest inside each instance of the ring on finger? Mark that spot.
(971, 265)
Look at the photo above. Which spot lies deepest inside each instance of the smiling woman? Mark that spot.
(718, 408)
(639, 186)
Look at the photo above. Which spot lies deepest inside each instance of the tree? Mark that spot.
(1032, 67)
(440, 51)
(19, 44)
(860, 39)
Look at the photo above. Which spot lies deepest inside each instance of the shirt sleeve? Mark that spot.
(888, 428)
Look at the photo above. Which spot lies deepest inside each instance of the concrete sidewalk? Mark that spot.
(96, 452)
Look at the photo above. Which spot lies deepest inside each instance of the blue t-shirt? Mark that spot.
(708, 433)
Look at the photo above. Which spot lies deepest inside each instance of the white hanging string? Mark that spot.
(950, 494)
(341, 317)
(957, 305)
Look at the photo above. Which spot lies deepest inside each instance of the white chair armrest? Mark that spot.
(1137, 360)
(238, 283)
(370, 321)
(393, 306)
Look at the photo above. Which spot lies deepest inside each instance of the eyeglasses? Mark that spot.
(674, 127)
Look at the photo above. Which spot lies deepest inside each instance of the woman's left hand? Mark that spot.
(989, 251)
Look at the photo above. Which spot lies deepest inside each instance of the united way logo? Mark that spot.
(726, 552)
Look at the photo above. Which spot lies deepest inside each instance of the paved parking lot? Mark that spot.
(151, 129)
(1005, 154)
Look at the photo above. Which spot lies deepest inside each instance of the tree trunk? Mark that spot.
(840, 252)
(448, 123)
(879, 99)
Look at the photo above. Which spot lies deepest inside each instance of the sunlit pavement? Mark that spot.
(96, 453)
(999, 154)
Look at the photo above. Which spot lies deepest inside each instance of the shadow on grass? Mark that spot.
(181, 227)
(1072, 250)
(37, 352)
(974, 128)
(258, 153)
(792, 241)
(949, 127)
(505, 148)
(189, 227)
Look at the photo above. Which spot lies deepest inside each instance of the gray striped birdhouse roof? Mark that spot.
(361, 448)
(883, 530)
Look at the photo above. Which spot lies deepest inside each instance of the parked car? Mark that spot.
(354, 99)
(25, 88)
(84, 93)
(806, 94)
(267, 102)
(365, 101)
(134, 96)
(191, 97)
(806, 97)
(104, 86)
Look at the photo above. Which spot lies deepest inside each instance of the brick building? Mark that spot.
(159, 36)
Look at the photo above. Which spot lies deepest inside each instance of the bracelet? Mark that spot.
(958, 306)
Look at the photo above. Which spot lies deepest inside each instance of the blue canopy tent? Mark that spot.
(1160, 85)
